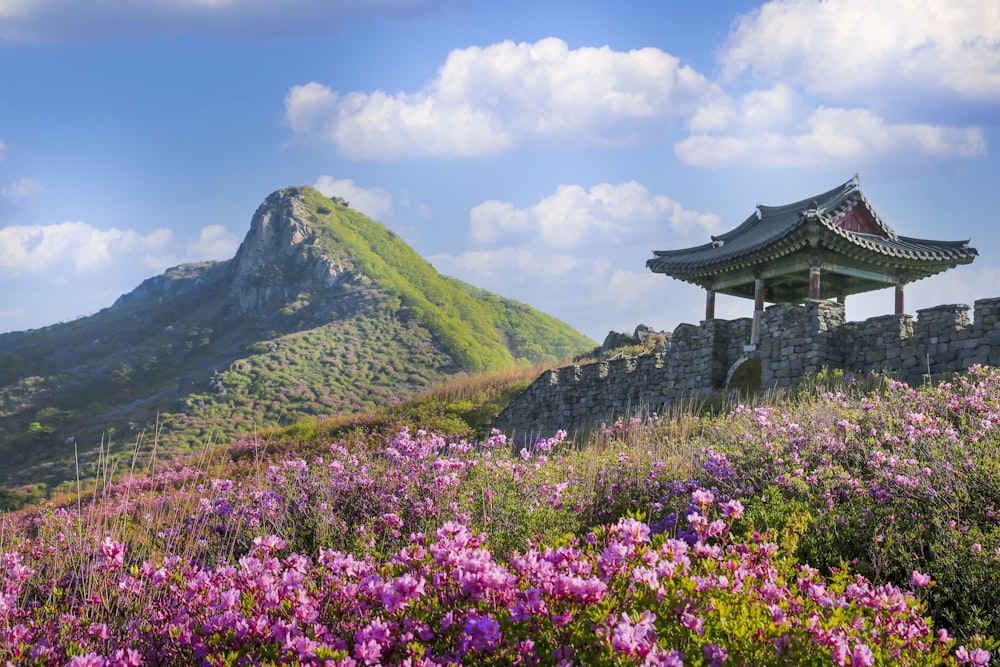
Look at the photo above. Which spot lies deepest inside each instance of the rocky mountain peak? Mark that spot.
(279, 259)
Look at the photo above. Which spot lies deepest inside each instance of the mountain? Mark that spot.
(322, 311)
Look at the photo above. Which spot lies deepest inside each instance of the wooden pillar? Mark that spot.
(814, 282)
(710, 304)
(758, 310)
(899, 299)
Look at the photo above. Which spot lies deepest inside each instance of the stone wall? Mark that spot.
(795, 340)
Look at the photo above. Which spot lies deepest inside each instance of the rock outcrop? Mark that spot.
(278, 259)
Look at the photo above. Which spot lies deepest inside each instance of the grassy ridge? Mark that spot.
(480, 329)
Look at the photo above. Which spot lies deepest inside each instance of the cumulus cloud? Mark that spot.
(34, 249)
(376, 203)
(964, 284)
(214, 242)
(71, 20)
(624, 289)
(846, 47)
(562, 254)
(495, 268)
(883, 65)
(488, 99)
(573, 217)
(820, 137)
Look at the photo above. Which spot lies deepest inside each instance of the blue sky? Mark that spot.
(540, 150)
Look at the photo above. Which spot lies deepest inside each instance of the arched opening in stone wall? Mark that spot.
(744, 376)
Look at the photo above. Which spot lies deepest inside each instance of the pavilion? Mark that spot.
(823, 247)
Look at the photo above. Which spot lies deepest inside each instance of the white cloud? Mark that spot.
(71, 20)
(825, 137)
(585, 290)
(562, 254)
(624, 289)
(846, 47)
(964, 284)
(765, 108)
(488, 99)
(20, 191)
(34, 249)
(376, 203)
(573, 217)
(214, 242)
(493, 269)
(3, 148)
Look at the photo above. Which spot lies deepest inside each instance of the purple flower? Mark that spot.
(660, 658)
(482, 632)
(862, 656)
(693, 623)
(716, 655)
(918, 579)
(635, 638)
(839, 652)
(978, 657)
(128, 657)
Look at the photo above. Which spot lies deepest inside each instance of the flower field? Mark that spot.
(854, 523)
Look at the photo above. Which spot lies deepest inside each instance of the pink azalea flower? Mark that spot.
(113, 553)
(918, 579)
(862, 656)
(693, 623)
(732, 509)
(978, 657)
(702, 497)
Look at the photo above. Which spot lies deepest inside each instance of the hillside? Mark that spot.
(322, 311)
(846, 523)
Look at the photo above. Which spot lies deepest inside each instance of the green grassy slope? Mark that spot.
(481, 330)
(177, 355)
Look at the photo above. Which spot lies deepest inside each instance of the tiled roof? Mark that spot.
(774, 231)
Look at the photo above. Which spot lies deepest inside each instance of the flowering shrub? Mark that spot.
(842, 528)
(622, 595)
